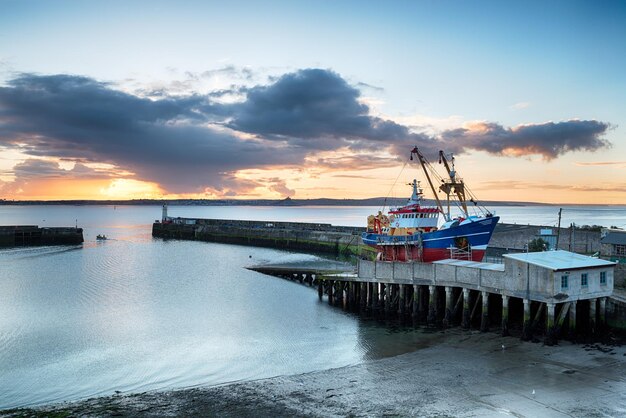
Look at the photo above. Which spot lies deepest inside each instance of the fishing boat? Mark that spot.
(101, 237)
(415, 232)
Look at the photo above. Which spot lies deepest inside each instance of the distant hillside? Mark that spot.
(375, 201)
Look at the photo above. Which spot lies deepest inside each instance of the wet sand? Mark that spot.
(465, 374)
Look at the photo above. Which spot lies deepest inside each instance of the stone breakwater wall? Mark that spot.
(30, 235)
(316, 237)
(322, 237)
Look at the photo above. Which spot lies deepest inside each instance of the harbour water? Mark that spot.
(133, 313)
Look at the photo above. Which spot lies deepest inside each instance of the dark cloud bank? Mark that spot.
(191, 143)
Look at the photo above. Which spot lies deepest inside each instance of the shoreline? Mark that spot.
(468, 373)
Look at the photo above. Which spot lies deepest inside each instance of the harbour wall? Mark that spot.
(31, 235)
(316, 237)
(334, 239)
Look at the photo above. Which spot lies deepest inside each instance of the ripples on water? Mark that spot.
(134, 314)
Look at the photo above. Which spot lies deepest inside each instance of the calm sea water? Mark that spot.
(135, 313)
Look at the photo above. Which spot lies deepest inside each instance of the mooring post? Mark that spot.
(466, 309)
(320, 288)
(572, 321)
(432, 305)
(505, 315)
(401, 300)
(448, 314)
(550, 330)
(526, 327)
(592, 317)
(484, 321)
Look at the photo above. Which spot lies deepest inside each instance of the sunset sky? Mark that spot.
(268, 99)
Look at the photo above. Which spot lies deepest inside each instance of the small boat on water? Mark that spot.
(100, 237)
(413, 232)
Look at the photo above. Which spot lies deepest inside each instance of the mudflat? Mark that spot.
(460, 374)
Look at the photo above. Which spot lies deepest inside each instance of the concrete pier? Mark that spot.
(532, 295)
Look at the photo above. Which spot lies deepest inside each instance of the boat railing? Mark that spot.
(460, 253)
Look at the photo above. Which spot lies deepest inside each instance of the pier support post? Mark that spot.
(320, 288)
(592, 317)
(387, 298)
(363, 296)
(484, 320)
(602, 316)
(422, 308)
(401, 300)
(505, 315)
(572, 321)
(466, 309)
(432, 305)
(375, 297)
(416, 294)
(448, 314)
(330, 292)
(526, 327)
(550, 329)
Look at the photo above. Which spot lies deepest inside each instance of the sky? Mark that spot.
(269, 99)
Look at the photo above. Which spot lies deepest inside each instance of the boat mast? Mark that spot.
(423, 163)
(453, 185)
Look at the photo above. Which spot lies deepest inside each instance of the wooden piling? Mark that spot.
(320, 289)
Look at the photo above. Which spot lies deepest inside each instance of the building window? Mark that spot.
(564, 280)
(603, 277)
(583, 280)
(619, 250)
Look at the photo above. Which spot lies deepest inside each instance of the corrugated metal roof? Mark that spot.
(474, 264)
(559, 260)
(614, 237)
